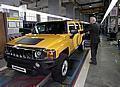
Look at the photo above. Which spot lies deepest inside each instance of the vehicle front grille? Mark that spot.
(20, 52)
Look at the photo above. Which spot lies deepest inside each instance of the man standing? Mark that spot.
(94, 29)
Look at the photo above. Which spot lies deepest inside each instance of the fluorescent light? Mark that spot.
(112, 4)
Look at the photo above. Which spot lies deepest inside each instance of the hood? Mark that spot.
(39, 40)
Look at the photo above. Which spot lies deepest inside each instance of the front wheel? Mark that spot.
(60, 71)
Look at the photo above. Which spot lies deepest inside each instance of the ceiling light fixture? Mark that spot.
(112, 4)
(90, 6)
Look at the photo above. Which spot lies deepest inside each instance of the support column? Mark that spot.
(70, 10)
(77, 14)
(109, 23)
(117, 17)
(86, 18)
(54, 7)
(81, 16)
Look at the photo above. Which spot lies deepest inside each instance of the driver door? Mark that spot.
(73, 32)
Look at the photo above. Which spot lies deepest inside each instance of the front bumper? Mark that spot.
(30, 65)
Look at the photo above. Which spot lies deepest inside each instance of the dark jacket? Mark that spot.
(94, 30)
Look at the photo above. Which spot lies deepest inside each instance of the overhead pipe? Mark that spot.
(90, 3)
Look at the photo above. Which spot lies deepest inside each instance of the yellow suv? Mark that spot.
(48, 47)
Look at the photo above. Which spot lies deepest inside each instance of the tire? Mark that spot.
(60, 71)
(81, 46)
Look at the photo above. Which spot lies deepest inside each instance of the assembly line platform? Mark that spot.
(11, 78)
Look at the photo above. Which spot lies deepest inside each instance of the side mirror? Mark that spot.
(73, 31)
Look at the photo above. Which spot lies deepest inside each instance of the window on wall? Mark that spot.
(31, 16)
(43, 18)
(13, 13)
(12, 24)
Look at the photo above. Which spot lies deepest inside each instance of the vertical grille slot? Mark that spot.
(28, 54)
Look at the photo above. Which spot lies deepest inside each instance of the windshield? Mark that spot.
(50, 28)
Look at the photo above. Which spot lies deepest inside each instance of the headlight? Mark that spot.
(38, 54)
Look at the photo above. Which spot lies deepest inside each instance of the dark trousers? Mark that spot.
(119, 44)
(94, 47)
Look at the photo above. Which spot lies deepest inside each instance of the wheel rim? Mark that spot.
(64, 68)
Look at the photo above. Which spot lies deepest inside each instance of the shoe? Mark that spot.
(93, 59)
(94, 63)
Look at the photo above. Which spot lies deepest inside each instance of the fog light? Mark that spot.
(37, 65)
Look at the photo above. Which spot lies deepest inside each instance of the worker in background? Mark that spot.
(94, 29)
(118, 38)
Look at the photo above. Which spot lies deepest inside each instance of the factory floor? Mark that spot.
(107, 72)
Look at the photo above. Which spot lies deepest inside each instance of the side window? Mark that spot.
(71, 26)
(77, 26)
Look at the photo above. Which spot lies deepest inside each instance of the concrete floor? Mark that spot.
(2, 63)
(107, 72)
